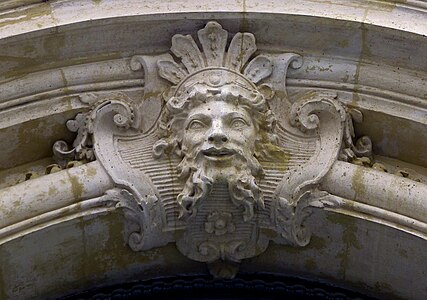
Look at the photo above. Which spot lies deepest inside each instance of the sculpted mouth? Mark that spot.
(217, 154)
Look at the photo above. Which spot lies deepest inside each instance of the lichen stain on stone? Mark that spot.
(29, 49)
(357, 183)
(52, 191)
(310, 264)
(23, 64)
(349, 239)
(68, 102)
(111, 252)
(76, 186)
(65, 89)
(395, 137)
(317, 243)
(13, 176)
(277, 154)
(148, 95)
(31, 141)
(355, 96)
(16, 204)
(268, 153)
(20, 16)
(34, 139)
(343, 43)
(345, 78)
(91, 171)
(366, 47)
(52, 46)
(403, 253)
(377, 288)
(365, 53)
(27, 65)
(386, 5)
(116, 242)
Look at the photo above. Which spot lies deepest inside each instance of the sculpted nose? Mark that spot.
(217, 136)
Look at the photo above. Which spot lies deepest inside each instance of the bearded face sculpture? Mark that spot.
(216, 118)
(206, 170)
(200, 162)
(218, 142)
(218, 139)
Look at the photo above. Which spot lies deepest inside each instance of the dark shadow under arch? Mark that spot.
(244, 287)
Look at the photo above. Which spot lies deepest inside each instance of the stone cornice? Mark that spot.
(411, 14)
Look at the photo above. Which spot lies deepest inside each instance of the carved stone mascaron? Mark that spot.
(231, 162)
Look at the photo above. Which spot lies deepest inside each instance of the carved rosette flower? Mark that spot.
(219, 223)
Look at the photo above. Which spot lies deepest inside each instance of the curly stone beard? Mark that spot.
(200, 178)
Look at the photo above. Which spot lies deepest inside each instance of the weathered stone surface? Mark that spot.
(284, 137)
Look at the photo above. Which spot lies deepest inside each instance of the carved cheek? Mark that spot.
(240, 136)
(193, 138)
(247, 135)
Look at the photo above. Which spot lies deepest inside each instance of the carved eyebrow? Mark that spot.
(201, 117)
(235, 115)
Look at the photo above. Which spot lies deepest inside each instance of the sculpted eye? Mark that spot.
(238, 123)
(196, 124)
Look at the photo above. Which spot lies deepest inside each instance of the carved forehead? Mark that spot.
(218, 109)
(199, 94)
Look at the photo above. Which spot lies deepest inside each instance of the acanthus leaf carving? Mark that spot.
(82, 145)
(290, 217)
(134, 214)
(83, 124)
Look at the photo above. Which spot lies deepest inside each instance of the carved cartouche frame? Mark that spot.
(229, 164)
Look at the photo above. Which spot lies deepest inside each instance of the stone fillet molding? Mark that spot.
(230, 164)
